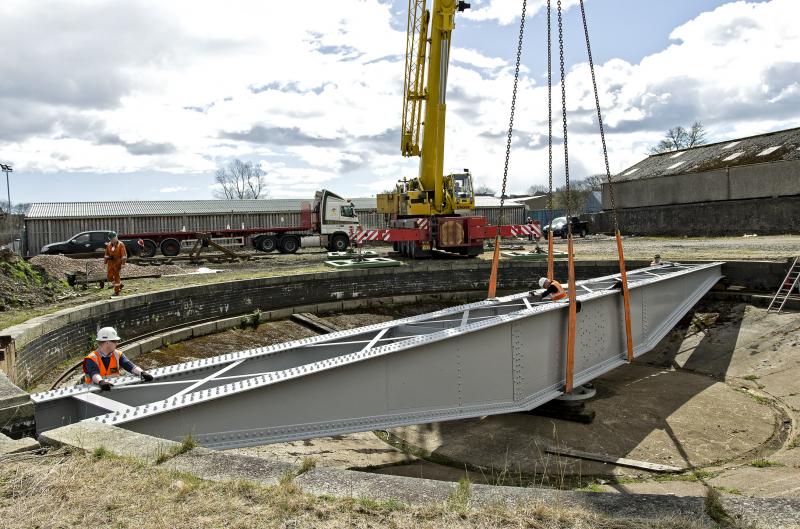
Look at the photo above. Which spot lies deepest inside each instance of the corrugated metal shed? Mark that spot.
(770, 147)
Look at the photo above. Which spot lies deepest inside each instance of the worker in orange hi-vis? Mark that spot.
(115, 258)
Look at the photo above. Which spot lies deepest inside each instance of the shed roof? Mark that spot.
(763, 148)
(163, 208)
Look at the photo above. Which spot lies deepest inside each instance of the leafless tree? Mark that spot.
(678, 138)
(484, 191)
(537, 189)
(240, 180)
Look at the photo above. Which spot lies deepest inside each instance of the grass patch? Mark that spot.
(759, 399)
(695, 475)
(187, 444)
(307, 464)
(100, 452)
(752, 378)
(794, 443)
(592, 487)
(458, 499)
(729, 490)
(715, 510)
(54, 492)
(765, 463)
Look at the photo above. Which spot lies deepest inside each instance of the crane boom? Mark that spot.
(428, 39)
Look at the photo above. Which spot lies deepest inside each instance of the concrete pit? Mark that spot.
(716, 394)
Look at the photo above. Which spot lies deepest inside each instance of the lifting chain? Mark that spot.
(549, 117)
(599, 118)
(513, 108)
(564, 115)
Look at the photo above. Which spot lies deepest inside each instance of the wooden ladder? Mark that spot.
(786, 288)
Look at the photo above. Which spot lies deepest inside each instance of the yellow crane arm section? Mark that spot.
(428, 46)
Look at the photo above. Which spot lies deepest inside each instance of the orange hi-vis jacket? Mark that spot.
(111, 371)
(115, 254)
(560, 293)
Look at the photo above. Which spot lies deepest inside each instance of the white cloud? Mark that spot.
(505, 12)
(312, 91)
(174, 189)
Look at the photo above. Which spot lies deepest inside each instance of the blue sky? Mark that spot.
(144, 99)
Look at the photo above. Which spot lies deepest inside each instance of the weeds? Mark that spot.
(752, 378)
(252, 320)
(764, 463)
(458, 499)
(307, 464)
(186, 445)
(100, 452)
(592, 487)
(729, 490)
(794, 443)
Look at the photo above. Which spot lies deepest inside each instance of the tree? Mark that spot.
(537, 189)
(594, 182)
(484, 191)
(678, 138)
(240, 180)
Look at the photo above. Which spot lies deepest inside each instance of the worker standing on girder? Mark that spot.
(105, 362)
(550, 290)
(115, 258)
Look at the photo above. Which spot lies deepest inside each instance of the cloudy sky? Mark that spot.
(144, 99)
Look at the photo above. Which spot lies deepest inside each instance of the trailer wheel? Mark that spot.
(267, 243)
(149, 249)
(339, 243)
(170, 247)
(288, 244)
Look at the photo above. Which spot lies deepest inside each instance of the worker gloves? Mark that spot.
(105, 385)
(147, 377)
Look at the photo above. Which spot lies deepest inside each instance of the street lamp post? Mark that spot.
(7, 169)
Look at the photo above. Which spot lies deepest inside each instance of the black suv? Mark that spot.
(88, 242)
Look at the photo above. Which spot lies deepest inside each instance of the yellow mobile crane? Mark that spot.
(432, 195)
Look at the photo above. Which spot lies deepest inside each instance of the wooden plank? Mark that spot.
(619, 461)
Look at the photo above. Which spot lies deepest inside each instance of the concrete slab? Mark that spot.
(15, 404)
(763, 513)
(222, 466)
(89, 436)
(16, 446)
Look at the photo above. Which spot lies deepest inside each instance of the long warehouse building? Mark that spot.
(48, 222)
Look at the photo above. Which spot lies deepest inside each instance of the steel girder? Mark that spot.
(490, 357)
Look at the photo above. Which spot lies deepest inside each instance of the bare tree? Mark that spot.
(593, 182)
(240, 180)
(678, 138)
(537, 189)
(484, 191)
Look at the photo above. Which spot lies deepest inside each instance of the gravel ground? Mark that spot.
(58, 266)
(770, 248)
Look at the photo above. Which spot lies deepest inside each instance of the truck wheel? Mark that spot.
(339, 243)
(170, 247)
(289, 244)
(149, 249)
(268, 243)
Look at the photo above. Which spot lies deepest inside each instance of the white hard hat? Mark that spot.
(107, 334)
(542, 282)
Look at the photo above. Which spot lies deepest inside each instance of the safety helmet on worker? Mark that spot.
(107, 334)
(544, 282)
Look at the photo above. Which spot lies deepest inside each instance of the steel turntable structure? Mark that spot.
(495, 356)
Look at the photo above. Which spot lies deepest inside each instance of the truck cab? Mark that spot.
(334, 219)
